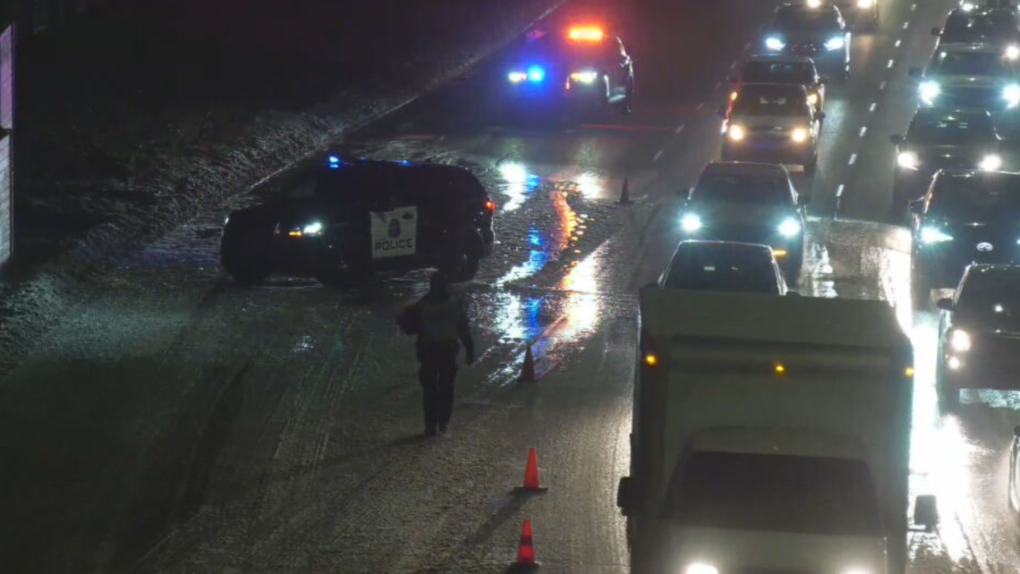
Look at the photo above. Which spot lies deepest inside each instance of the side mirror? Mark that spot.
(945, 304)
(917, 207)
(896, 139)
(936, 31)
(915, 73)
(926, 512)
(625, 495)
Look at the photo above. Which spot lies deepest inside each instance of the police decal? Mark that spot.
(395, 232)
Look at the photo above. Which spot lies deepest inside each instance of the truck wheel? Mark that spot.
(244, 252)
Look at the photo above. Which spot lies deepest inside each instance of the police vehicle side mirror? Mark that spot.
(945, 304)
(915, 73)
(936, 31)
(625, 495)
(917, 207)
(896, 139)
(926, 512)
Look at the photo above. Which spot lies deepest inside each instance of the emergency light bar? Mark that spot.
(586, 34)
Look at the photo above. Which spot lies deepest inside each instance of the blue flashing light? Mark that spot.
(334, 162)
(536, 74)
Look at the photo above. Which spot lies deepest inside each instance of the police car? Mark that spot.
(580, 66)
(362, 218)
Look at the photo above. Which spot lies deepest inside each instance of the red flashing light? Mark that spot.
(586, 34)
(490, 205)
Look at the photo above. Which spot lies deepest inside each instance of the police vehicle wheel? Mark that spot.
(243, 253)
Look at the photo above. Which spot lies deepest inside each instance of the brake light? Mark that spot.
(490, 205)
(586, 34)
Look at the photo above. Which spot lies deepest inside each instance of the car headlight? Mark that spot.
(774, 43)
(799, 135)
(736, 132)
(1013, 52)
(700, 568)
(959, 341)
(836, 43)
(314, 228)
(907, 160)
(814, 3)
(865, 3)
(933, 235)
(990, 162)
(789, 227)
(812, 99)
(585, 76)
(967, 6)
(517, 77)
(690, 223)
(930, 91)
(1011, 94)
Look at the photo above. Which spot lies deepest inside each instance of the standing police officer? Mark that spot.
(441, 324)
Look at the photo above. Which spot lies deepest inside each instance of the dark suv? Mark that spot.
(365, 217)
(817, 32)
(979, 334)
(966, 217)
(943, 139)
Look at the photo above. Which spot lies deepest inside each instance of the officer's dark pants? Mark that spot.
(437, 373)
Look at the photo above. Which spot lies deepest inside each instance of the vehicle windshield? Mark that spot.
(976, 200)
(771, 101)
(952, 130)
(779, 73)
(800, 19)
(777, 493)
(991, 299)
(709, 268)
(970, 64)
(752, 189)
(977, 28)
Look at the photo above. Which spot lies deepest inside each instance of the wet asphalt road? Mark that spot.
(179, 424)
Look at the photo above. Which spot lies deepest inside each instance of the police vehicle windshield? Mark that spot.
(771, 101)
(953, 130)
(779, 72)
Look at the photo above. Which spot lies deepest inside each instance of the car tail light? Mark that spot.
(490, 205)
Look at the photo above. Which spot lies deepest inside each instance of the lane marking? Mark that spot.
(906, 25)
(890, 64)
(657, 155)
(747, 46)
(701, 105)
(913, 7)
(718, 85)
(898, 42)
(680, 129)
(734, 64)
(882, 85)
(864, 130)
(622, 128)
(839, 190)
(873, 107)
(853, 159)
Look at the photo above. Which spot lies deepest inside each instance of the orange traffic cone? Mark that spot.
(526, 549)
(625, 194)
(528, 370)
(531, 482)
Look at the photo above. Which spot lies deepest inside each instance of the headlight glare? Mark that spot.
(930, 91)
(933, 235)
(690, 223)
(1013, 52)
(736, 132)
(774, 43)
(789, 227)
(865, 3)
(960, 341)
(314, 228)
(907, 160)
(836, 43)
(812, 99)
(517, 77)
(990, 162)
(701, 568)
(799, 135)
(585, 76)
(1011, 94)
